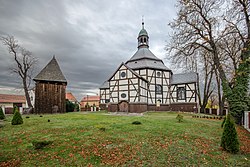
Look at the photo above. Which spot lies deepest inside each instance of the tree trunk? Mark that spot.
(26, 91)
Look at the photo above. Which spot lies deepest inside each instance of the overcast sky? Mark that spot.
(90, 38)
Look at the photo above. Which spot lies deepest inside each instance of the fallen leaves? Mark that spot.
(244, 137)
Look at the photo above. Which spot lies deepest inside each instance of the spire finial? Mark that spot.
(142, 22)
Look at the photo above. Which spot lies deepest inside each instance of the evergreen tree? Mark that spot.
(17, 118)
(229, 139)
(69, 106)
(2, 116)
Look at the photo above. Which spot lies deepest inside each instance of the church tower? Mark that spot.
(50, 89)
(143, 38)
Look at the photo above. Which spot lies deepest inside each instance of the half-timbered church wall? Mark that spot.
(144, 83)
(183, 95)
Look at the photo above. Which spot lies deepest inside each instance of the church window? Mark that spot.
(158, 89)
(181, 93)
(123, 74)
(145, 40)
(141, 40)
(123, 95)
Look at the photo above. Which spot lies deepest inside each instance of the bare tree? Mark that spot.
(24, 64)
(200, 24)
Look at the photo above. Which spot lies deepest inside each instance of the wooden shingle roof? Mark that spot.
(51, 72)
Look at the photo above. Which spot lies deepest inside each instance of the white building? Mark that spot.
(144, 83)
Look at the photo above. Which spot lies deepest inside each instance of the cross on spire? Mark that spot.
(142, 21)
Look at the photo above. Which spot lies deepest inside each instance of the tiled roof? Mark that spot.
(90, 98)
(184, 78)
(143, 53)
(5, 98)
(70, 97)
(144, 58)
(105, 85)
(51, 72)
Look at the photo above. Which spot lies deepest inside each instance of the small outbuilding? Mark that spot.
(50, 89)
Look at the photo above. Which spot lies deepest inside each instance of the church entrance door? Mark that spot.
(123, 106)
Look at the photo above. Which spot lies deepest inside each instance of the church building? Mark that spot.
(144, 83)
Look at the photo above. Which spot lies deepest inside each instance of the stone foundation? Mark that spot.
(185, 107)
(133, 107)
(143, 107)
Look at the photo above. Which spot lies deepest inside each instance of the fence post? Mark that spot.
(3, 108)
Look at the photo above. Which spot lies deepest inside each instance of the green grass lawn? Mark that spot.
(99, 139)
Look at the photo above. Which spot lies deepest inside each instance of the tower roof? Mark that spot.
(51, 72)
(144, 58)
(143, 32)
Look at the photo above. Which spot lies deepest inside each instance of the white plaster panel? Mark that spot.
(152, 87)
(143, 72)
(115, 100)
(191, 86)
(125, 87)
(189, 93)
(116, 88)
(167, 74)
(150, 72)
(112, 83)
(123, 67)
(114, 94)
(131, 87)
(117, 75)
(192, 100)
(132, 99)
(135, 81)
(158, 81)
(129, 74)
(133, 93)
(123, 82)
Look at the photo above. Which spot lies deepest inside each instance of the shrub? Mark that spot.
(102, 129)
(179, 118)
(69, 106)
(41, 144)
(2, 116)
(223, 122)
(136, 123)
(229, 139)
(17, 117)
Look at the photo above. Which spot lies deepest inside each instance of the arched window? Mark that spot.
(181, 93)
(158, 89)
(141, 40)
(145, 40)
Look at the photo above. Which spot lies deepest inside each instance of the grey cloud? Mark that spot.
(89, 38)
